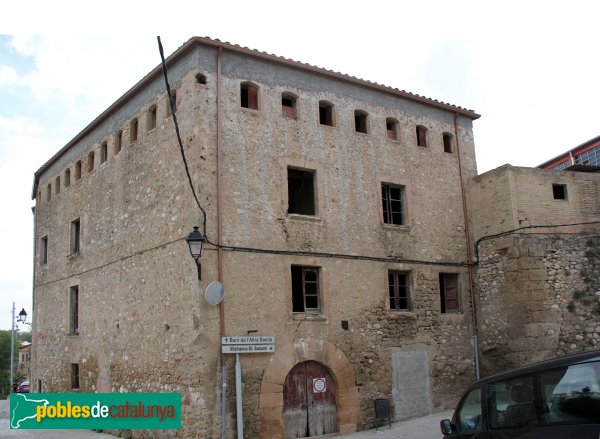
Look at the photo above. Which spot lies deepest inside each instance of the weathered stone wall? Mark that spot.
(143, 323)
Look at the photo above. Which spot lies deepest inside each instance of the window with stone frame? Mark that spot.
(421, 136)
(75, 245)
(301, 191)
(305, 289)
(249, 96)
(44, 250)
(399, 290)
(449, 293)
(392, 200)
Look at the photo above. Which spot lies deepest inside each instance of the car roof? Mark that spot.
(567, 360)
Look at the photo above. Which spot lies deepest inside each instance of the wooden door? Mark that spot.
(309, 407)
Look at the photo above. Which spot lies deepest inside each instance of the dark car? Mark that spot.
(558, 398)
(23, 387)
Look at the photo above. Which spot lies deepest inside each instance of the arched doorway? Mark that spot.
(309, 405)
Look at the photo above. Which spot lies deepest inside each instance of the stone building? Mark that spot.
(334, 214)
(537, 252)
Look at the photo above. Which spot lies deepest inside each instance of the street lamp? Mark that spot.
(21, 319)
(195, 241)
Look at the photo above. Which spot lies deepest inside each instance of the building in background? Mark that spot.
(334, 213)
(586, 155)
(23, 363)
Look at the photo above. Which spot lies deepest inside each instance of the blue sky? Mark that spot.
(530, 68)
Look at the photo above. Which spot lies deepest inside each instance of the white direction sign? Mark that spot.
(247, 348)
(248, 339)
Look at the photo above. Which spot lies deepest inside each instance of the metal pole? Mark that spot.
(224, 402)
(12, 349)
(476, 350)
(238, 397)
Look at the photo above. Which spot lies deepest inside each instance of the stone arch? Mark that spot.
(281, 363)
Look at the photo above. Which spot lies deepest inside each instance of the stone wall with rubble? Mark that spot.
(144, 325)
(537, 283)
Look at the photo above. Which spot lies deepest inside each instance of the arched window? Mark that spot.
(67, 177)
(421, 136)
(391, 126)
(288, 105)
(200, 78)
(118, 141)
(103, 152)
(57, 185)
(90, 161)
(78, 170)
(326, 114)
(152, 118)
(249, 95)
(361, 119)
(133, 131)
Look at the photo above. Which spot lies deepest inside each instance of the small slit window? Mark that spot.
(103, 152)
(559, 191)
(90, 161)
(49, 192)
(75, 375)
(361, 121)
(326, 113)
(421, 136)
(448, 140)
(152, 118)
(67, 177)
(75, 236)
(249, 96)
(391, 127)
(118, 141)
(44, 250)
(133, 131)
(288, 105)
(78, 170)
(57, 185)
(172, 101)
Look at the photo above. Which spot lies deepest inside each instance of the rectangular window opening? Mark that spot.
(360, 122)
(447, 138)
(305, 289)
(399, 291)
(75, 236)
(133, 133)
(249, 96)
(559, 191)
(391, 127)
(449, 293)
(103, 152)
(78, 170)
(118, 141)
(44, 250)
(301, 192)
(326, 114)
(392, 201)
(74, 310)
(421, 136)
(152, 118)
(288, 106)
(74, 375)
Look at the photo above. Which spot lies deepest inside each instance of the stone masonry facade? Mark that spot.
(118, 306)
(537, 265)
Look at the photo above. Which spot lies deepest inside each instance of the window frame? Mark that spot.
(134, 130)
(90, 161)
(326, 114)
(75, 372)
(448, 142)
(74, 310)
(289, 111)
(421, 133)
(75, 233)
(395, 136)
(361, 121)
(386, 203)
(249, 96)
(44, 250)
(293, 196)
(559, 191)
(444, 279)
(67, 177)
(152, 117)
(302, 270)
(394, 287)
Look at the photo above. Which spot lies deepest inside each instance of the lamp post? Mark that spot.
(21, 319)
(195, 241)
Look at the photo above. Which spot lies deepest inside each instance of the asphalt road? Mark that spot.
(426, 427)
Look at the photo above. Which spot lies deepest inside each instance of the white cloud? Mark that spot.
(8, 76)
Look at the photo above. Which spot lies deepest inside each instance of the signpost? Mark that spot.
(246, 344)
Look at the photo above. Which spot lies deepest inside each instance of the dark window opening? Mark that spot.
(49, 192)
(288, 105)
(172, 103)
(360, 121)
(67, 177)
(118, 141)
(391, 126)
(559, 191)
(447, 138)
(399, 291)
(57, 185)
(305, 289)
(74, 310)
(74, 375)
(133, 132)
(152, 118)
(103, 152)
(392, 200)
(421, 136)
(44, 250)
(90, 161)
(78, 170)
(449, 293)
(75, 236)
(249, 95)
(325, 113)
(200, 78)
(301, 192)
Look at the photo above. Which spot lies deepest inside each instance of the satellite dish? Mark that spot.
(214, 293)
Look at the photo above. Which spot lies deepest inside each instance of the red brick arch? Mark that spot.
(284, 359)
